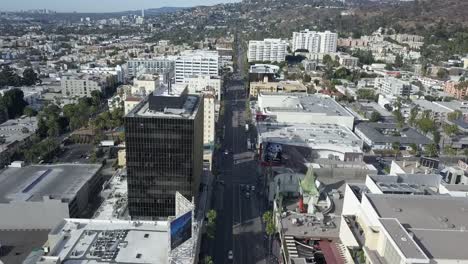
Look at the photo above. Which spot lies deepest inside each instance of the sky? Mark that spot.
(101, 5)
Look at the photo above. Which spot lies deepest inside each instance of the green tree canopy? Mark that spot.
(13, 101)
(29, 77)
(375, 116)
(431, 150)
(426, 125)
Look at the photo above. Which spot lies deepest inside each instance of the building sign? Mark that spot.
(181, 230)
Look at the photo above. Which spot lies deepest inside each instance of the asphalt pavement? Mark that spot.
(239, 226)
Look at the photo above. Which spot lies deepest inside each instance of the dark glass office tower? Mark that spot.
(164, 149)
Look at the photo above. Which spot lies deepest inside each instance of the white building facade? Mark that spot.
(199, 63)
(315, 42)
(209, 104)
(74, 86)
(394, 87)
(197, 84)
(151, 66)
(273, 50)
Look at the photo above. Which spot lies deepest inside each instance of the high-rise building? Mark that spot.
(198, 84)
(152, 66)
(273, 50)
(391, 86)
(198, 62)
(164, 149)
(209, 102)
(316, 42)
(82, 85)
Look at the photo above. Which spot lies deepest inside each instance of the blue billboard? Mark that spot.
(181, 229)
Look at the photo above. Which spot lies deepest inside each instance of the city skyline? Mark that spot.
(104, 5)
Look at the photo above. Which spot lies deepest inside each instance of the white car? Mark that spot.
(230, 256)
(252, 188)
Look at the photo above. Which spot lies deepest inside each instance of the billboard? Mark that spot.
(181, 230)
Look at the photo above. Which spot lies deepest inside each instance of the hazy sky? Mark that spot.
(100, 5)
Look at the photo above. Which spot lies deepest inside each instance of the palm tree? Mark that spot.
(270, 228)
(396, 148)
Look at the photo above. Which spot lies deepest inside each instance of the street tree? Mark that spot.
(454, 115)
(413, 115)
(451, 130)
(29, 77)
(270, 227)
(426, 125)
(414, 148)
(13, 100)
(375, 116)
(400, 119)
(211, 225)
(431, 150)
(29, 112)
(396, 148)
(208, 260)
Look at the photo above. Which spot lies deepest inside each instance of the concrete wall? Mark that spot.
(351, 203)
(309, 118)
(32, 215)
(346, 236)
(344, 173)
(373, 188)
(396, 169)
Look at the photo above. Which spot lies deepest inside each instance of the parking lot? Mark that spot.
(76, 153)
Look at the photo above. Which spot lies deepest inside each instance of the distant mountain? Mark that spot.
(162, 10)
(76, 16)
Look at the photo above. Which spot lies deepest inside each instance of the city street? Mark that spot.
(238, 200)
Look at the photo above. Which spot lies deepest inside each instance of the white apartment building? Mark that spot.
(348, 61)
(145, 84)
(197, 84)
(209, 104)
(273, 50)
(315, 42)
(393, 86)
(200, 63)
(151, 66)
(130, 103)
(81, 85)
(116, 71)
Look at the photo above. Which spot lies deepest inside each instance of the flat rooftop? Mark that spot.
(264, 68)
(115, 201)
(382, 133)
(111, 241)
(455, 105)
(32, 183)
(330, 136)
(305, 103)
(428, 105)
(419, 184)
(308, 226)
(403, 240)
(438, 222)
(15, 130)
(16, 245)
(187, 110)
(375, 106)
(413, 167)
(417, 211)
